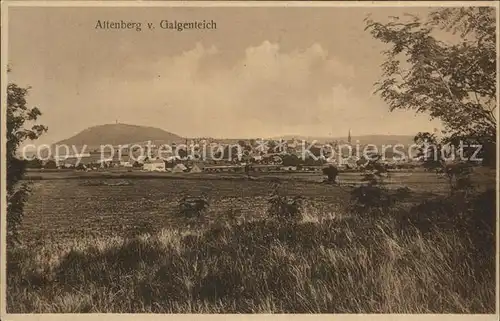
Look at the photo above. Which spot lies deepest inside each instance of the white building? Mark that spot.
(179, 168)
(195, 169)
(156, 165)
(350, 161)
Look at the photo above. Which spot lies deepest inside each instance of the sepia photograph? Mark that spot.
(249, 158)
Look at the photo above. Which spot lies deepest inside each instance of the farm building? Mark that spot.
(265, 168)
(195, 169)
(223, 168)
(139, 158)
(126, 164)
(312, 168)
(69, 161)
(104, 162)
(350, 161)
(257, 158)
(156, 165)
(179, 168)
(275, 159)
(171, 158)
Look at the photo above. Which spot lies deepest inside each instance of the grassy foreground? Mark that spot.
(357, 264)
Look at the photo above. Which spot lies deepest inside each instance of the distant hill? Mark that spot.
(120, 134)
(384, 139)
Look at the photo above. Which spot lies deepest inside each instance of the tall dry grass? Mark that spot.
(326, 263)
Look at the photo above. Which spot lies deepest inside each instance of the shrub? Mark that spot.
(81, 167)
(34, 163)
(50, 164)
(459, 176)
(193, 207)
(15, 208)
(473, 214)
(331, 172)
(285, 208)
(402, 192)
(372, 195)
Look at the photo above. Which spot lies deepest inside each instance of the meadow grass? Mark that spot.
(326, 263)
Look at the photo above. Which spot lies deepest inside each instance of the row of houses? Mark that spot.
(161, 166)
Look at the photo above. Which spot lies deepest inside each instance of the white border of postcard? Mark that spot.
(4, 49)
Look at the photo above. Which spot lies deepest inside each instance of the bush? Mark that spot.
(471, 214)
(81, 167)
(15, 208)
(285, 208)
(50, 164)
(372, 195)
(402, 192)
(193, 207)
(34, 163)
(331, 172)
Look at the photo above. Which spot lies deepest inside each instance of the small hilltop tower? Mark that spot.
(349, 137)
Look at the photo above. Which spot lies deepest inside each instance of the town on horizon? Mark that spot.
(168, 151)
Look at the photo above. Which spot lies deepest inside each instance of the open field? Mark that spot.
(417, 179)
(94, 204)
(101, 244)
(71, 208)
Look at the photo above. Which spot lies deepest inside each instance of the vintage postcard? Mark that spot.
(333, 159)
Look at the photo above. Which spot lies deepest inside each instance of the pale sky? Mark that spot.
(264, 72)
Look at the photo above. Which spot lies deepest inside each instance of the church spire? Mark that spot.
(349, 136)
